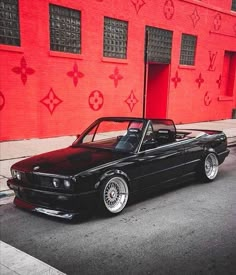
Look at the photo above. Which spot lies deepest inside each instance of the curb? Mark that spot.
(15, 261)
(6, 197)
(231, 141)
(6, 193)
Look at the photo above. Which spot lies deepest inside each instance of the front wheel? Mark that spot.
(210, 167)
(114, 195)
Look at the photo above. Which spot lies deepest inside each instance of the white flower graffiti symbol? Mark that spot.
(96, 100)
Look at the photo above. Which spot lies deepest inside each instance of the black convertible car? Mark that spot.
(111, 159)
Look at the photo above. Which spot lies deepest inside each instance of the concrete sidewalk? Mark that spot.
(228, 126)
(13, 151)
(13, 261)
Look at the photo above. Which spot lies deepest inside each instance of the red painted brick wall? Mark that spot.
(40, 95)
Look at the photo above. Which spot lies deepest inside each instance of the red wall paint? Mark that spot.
(45, 93)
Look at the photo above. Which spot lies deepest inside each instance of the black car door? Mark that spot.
(159, 162)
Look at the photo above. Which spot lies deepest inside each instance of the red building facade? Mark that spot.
(65, 63)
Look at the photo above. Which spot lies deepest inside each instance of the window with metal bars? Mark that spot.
(9, 23)
(158, 45)
(188, 49)
(65, 29)
(115, 38)
(233, 8)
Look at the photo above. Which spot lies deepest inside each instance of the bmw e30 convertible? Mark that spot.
(112, 159)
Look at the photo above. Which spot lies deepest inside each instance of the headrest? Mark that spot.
(163, 132)
(166, 134)
(134, 130)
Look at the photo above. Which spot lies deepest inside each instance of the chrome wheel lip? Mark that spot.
(211, 166)
(115, 195)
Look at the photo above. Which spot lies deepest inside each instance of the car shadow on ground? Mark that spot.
(137, 198)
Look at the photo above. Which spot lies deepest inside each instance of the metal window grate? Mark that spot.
(9, 23)
(159, 45)
(65, 29)
(233, 8)
(188, 49)
(115, 38)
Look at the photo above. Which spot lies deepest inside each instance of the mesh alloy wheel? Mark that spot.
(115, 194)
(211, 166)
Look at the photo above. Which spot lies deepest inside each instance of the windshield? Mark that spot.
(118, 135)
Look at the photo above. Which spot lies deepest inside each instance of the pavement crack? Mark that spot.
(23, 157)
(4, 177)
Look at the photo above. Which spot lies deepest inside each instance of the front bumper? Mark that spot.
(62, 205)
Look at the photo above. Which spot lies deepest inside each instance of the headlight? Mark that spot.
(16, 174)
(56, 183)
(61, 183)
(13, 173)
(67, 184)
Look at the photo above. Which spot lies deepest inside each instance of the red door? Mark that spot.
(157, 90)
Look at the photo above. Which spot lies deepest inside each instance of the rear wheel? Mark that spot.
(114, 195)
(209, 168)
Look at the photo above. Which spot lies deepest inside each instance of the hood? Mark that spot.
(67, 161)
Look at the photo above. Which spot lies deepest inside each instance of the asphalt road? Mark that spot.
(186, 230)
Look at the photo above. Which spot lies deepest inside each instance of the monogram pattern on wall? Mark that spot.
(207, 99)
(2, 101)
(169, 9)
(217, 22)
(23, 70)
(96, 100)
(28, 76)
(75, 74)
(116, 76)
(131, 101)
(195, 17)
(51, 101)
(212, 60)
(218, 81)
(199, 80)
(138, 4)
(176, 79)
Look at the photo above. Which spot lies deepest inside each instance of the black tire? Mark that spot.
(209, 168)
(114, 195)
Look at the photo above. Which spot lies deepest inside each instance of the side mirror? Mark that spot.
(77, 136)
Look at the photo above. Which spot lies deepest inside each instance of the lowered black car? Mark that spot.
(113, 158)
